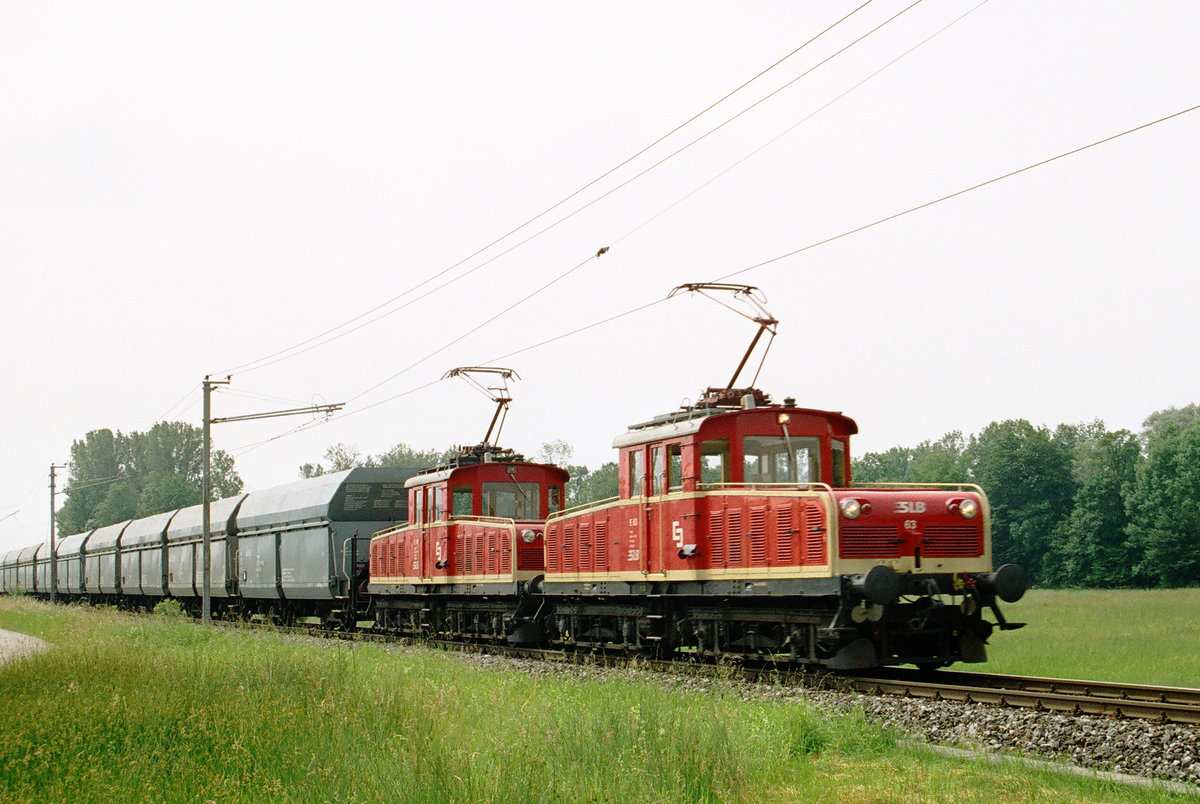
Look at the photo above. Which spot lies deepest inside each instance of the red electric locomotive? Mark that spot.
(737, 531)
(461, 565)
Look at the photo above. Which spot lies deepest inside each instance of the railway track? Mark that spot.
(1101, 698)
(1178, 705)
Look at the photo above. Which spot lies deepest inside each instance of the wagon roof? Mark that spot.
(189, 522)
(107, 536)
(362, 494)
(72, 544)
(147, 530)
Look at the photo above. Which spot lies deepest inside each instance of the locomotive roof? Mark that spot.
(687, 420)
(442, 473)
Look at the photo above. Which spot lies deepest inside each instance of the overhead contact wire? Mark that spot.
(295, 349)
(794, 126)
(956, 194)
(622, 185)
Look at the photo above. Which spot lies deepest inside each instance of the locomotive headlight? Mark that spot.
(528, 536)
(851, 508)
(968, 509)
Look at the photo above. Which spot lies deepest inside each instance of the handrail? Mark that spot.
(815, 486)
(502, 521)
(574, 509)
(911, 485)
(480, 520)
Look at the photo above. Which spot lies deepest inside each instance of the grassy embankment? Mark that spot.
(1144, 636)
(159, 709)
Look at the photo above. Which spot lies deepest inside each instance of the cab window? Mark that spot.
(714, 461)
(461, 500)
(839, 462)
(511, 500)
(674, 467)
(658, 468)
(437, 505)
(776, 459)
(637, 473)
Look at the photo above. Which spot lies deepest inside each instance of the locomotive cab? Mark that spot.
(478, 520)
(753, 444)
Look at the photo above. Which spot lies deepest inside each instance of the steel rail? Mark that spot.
(1071, 696)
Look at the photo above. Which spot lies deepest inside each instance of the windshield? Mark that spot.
(776, 459)
(511, 500)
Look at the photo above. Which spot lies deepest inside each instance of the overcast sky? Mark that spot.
(188, 187)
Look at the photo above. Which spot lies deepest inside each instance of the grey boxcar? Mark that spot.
(26, 567)
(185, 567)
(101, 564)
(8, 570)
(297, 541)
(143, 556)
(70, 564)
(42, 577)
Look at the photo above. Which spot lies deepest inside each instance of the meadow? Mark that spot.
(1131, 635)
(156, 708)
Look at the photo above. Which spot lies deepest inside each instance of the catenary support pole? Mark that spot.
(206, 501)
(206, 484)
(53, 527)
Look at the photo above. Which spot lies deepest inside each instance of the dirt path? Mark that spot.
(14, 645)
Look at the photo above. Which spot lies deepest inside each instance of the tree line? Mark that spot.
(1079, 505)
(118, 476)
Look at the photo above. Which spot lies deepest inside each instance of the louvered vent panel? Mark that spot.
(953, 541)
(529, 557)
(506, 552)
(758, 536)
(493, 552)
(585, 547)
(785, 535)
(553, 549)
(865, 541)
(812, 519)
(734, 537)
(602, 546)
(569, 562)
(716, 538)
(479, 545)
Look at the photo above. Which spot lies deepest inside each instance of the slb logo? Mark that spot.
(910, 508)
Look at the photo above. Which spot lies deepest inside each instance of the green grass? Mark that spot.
(1143, 636)
(158, 708)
